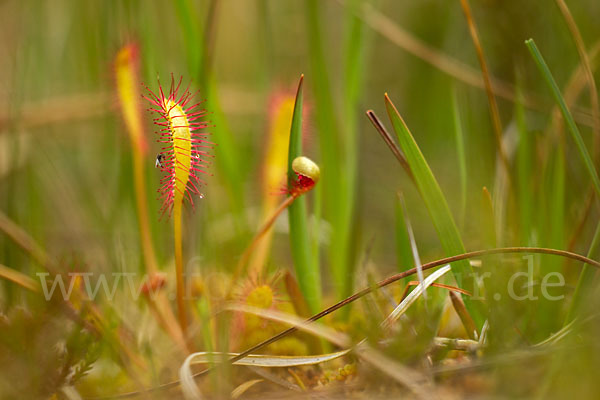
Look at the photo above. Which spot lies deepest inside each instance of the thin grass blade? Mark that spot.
(403, 248)
(462, 159)
(188, 386)
(307, 271)
(575, 135)
(414, 295)
(525, 158)
(336, 184)
(436, 205)
(241, 389)
(338, 338)
(586, 274)
(268, 361)
(586, 280)
(413, 244)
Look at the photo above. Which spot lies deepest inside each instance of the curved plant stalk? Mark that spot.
(191, 390)
(340, 339)
(555, 337)
(412, 271)
(268, 361)
(449, 288)
(402, 374)
(406, 376)
(389, 280)
(256, 240)
(307, 175)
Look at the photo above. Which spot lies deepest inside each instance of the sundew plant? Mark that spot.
(182, 158)
(206, 199)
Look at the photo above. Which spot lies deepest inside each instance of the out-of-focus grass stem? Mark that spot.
(584, 278)
(461, 155)
(589, 75)
(199, 44)
(127, 81)
(335, 183)
(525, 159)
(494, 112)
(568, 117)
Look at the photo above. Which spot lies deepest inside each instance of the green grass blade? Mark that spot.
(436, 205)
(585, 155)
(191, 32)
(403, 248)
(524, 171)
(586, 280)
(335, 185)
(413, 243)
(307, 271)
(462, 159)
(227, 157)
(488, 220)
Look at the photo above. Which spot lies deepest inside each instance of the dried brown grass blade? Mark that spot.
(19, 278)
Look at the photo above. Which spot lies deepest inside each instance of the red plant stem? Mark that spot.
(181, 309)
(260, 234)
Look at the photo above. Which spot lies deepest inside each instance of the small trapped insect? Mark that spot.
(159, 163)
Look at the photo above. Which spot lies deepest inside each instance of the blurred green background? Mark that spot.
(65, 161)
(65, 157)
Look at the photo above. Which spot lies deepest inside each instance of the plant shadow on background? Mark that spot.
(290, 249)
